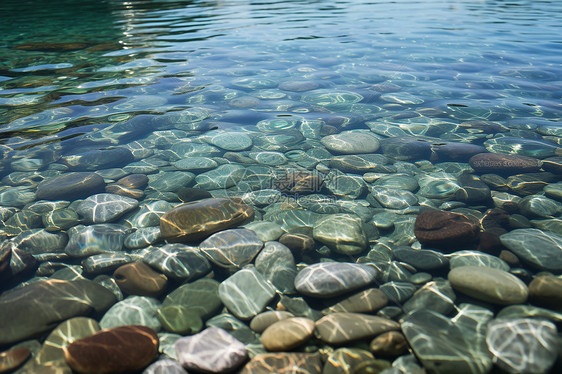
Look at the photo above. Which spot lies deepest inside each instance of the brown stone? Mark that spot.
(503, 164)
(297, 243)
(13, 358)
(187, 195)
(136, 181)
(441, 229)
(137, 278)
(389, 344)
(287, 334)
(116, 189)
(194, 221)
(118, 350)
(546, 291)
(509, 257)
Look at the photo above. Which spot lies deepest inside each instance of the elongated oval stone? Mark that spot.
(287, 334)
(70, 186)
(330, 279)
(339, 328)
(197, 220)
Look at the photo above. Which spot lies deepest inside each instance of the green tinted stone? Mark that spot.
(180, 319)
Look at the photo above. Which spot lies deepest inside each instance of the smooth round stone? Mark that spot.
(287, 334)
(276, 263)
(394, 198)
(448, 346)
(297, 243)
(438, 228)
(16, 196)
(137, 278)
(187, 194)
(169, 181)
(37, 241)
(265, 230)
(51, 301)
(118, 350)
(423, 259)
(143, 237)
(225, 176)
(342, 233)
(178, 261)
(180, 319)
(268, 158)
(420, 278)
(341, 328)
(64, 334)
(197, 220)
(263, 320)
(398, 292)
(546, 291)
(351, 143)
(231, 141)
(554, 191)
(366, 301)
(60, 219)
(104, 262)
(539, 206)
(281, 362)
(213, 350)
(489, 285)
(200, 296)
(233, 248)
(134, 310)
(149, 214)
(331, 98)
(438, 185)
(105, 207)
(523, 345)
(13, 358)
(398, 181)
(360, 164)
(99, 159)
(195, 163)
(133, 181)
(181, 150)
(530, 183)
(521, 146)
(70, 186)
(123, 191)
(503, 164)
(331, 279)
(246, 293)
(538, 248)
(95, 239)
(389, 344)
(165, 366)
(553, 164)
(237, 329)
(474, 258)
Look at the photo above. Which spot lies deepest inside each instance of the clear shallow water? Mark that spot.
(95, 75)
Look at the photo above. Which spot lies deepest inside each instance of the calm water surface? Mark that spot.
(90, 76)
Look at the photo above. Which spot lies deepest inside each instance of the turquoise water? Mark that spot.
(187, 87)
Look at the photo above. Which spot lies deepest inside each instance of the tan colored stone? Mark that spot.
(287, 334)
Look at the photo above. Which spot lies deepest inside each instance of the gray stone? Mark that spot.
(246, 293)
(233, 248)
(351, 142)
(330, 279)
(95, 239)
(523, 345)
(540, 249)
(70, 186)
(342, 233)
(178, 261)
(213, 350)
(474, 258)
(134, 310)
(394, 198)
(105, 207)
(165, 366)
(341, 328)
(276, 263)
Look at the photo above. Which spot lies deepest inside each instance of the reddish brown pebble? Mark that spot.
(137, 278)
(389, 344)
(441, 229)
(13, 359)
(118, 350)
(133, 181)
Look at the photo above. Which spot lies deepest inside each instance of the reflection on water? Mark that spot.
(340, 122)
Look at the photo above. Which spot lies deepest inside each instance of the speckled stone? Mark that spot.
(213, 350)
(490, 285)
(331, 279)
(341, 328)
(118, 350)
(197, 220)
